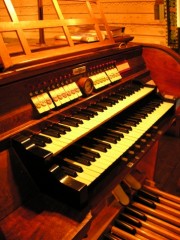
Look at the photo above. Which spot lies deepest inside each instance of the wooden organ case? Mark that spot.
(78, 144)
(107, 90)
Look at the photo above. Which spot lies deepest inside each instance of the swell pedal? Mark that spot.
(136, 185)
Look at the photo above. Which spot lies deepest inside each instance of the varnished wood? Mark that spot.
(26, 53)
(164, 65)
(138, 17)
(22, 202)
(18, 114)
(25, 77)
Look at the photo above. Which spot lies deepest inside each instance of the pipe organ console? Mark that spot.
(85, 129)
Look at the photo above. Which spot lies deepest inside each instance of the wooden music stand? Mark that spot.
(27, 54)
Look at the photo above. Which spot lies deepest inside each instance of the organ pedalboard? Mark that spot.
(149, 213)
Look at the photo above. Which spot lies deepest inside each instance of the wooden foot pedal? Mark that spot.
(120, 195)
(160, 193)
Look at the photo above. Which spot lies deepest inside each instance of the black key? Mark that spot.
(101, 105)
(72, 166)
(121, 129)
(78, 121)
(41, 153)
(125, 226)
(64, 127)
(130, 219)
(148, 195)
(97, 140)
(88, 112)
(51, 132)
(135, 212)
(57, 172)
(113, 98)
(106, 138)
(95, 107)
(23, 140)
(43, 138)
(57, 128)
(38, 141)
(141, 112)
(139, 115)
(81, 154)
(123, 125)
(115, 133)
(102, 132)
(68, 121)
(145, 201)
(69, 171)
(80, 160)
(34, 138)
(93, 153)
(94, 110)
(130, 123)
(88, 155)
(109, 100)
(135, 118)
(78, 150)
(105, 103)
(81, 115)
(119, 96)
(95, 144)
(148, 109)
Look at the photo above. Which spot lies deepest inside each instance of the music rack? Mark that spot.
(27, 52)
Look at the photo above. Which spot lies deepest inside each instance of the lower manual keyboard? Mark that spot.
(106, 159)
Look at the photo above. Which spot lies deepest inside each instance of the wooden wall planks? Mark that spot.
(138, 17)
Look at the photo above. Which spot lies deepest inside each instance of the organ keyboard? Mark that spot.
(81, 124)
(81, 117)
(108, 135)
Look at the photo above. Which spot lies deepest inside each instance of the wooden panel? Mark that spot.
(16, 185)
(137, 16)
(129, 7)
(166, 80)
(27, 214)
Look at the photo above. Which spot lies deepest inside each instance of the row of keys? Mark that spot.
(82, 121)
(97, 151)
(100, 149)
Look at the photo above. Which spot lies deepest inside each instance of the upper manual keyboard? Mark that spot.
(59, 134)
